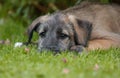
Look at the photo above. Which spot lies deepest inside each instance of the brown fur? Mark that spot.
(105, 21)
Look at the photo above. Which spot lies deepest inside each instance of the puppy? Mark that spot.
(87, 26)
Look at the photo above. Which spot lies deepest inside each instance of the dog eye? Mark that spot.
(63, 36)
(42, 34)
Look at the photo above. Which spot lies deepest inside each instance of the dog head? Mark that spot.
(59, 32)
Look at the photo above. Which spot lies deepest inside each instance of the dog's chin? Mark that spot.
(47, 50)
(54, 51)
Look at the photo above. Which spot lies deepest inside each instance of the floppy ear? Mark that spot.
(82, 31)
(33, 27)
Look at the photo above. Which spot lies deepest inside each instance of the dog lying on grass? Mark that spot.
(87, 26)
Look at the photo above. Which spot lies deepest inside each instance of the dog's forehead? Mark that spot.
(57, 21)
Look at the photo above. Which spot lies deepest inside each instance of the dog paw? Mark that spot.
(78, 49)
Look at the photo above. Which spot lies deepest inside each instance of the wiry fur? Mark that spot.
(90, 25)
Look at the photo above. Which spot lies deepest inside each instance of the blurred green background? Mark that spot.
(27, 10)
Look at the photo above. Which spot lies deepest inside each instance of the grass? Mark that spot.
(20, 63)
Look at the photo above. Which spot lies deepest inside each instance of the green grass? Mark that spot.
(19, 63)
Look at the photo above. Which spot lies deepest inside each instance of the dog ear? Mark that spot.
(82, 31)
(33, 27)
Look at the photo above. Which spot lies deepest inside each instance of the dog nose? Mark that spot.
(52, 48)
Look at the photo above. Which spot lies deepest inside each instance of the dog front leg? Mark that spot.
(102, 44)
